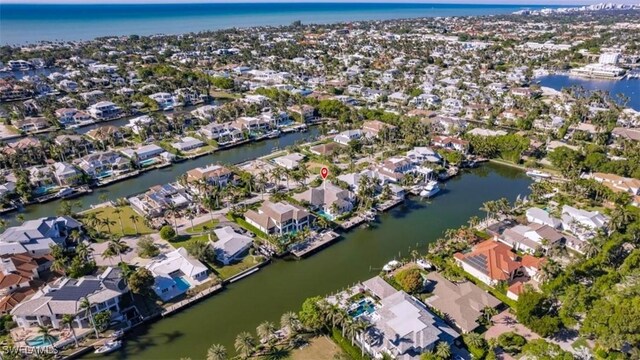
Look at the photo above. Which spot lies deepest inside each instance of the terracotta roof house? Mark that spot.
(372, 128)
(463, 302)
(325, 149)
(490, 262)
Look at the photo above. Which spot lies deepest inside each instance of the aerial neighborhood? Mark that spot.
(140, 175)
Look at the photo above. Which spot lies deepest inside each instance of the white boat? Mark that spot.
(430, 189)
(424, 264)
(537, 174)
(109, 346)
(117, 334)
(64, 192)
(273, 134)
(393, 264)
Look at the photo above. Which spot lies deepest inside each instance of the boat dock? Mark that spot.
(311, 246)
(169, 310)
(389, 204)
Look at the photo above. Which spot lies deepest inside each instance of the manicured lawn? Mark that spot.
(202, 227)
(319, 348)
(225, 272)
(108, 212)
(186, 240)
(242, 222)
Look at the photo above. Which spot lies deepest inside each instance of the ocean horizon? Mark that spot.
(30, 23)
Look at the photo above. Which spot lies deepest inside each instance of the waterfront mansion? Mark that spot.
(64, 297)
(279, 218)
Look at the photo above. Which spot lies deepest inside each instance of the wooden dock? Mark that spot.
(316, 244)
(389, 204)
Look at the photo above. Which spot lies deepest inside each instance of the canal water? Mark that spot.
(628, 87)
(283, 285)
(151, 178)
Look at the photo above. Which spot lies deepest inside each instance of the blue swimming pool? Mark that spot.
(40, 341)
(182, 284)
(148, 162)
(364, 307)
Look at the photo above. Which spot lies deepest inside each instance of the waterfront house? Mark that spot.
(187, 143)
(175, 273)
(401, 326)
(540, 216)
(144, 153)
(103, 164)
(290, 161)
(64, 297)
(105, 110)
(421, 154)
(304, 112)
(216, 175)
(137, 124)
(278, 218)
(160, 198)
(345, 137)
(230, 246)
(328, 199)
(450, 143)
(36, 236)
(31, 124)
(204, 112)
(214, 131)
(462, 303)
(395, 168)
(66, 174)
(490, 262)
(164, 100)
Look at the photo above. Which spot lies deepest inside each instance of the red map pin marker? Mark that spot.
(324, 172)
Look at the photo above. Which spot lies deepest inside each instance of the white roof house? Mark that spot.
(540, 216)
(289, 161)
(403, 327)
(35, 236)
(583, 223)
(230, 245)
(175, 272)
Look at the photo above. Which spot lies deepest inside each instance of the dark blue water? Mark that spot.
(630, 88)
(24, 23)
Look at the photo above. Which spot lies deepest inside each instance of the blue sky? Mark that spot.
(516, 2)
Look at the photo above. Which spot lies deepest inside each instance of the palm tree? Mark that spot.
(217, 352)
(115, 247)
(190, 214)
(172, 211)
(290, 322)
(474, 339)
(45, 334)
(620, 217)
(83, 250)
(244, 344)
(86, 306)
(107, 222)
(118, 211)
(591, 248)
(134, 221)
(443, 350)
(266, 332)
(68, 320)
(59, 265)
(489, 312)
